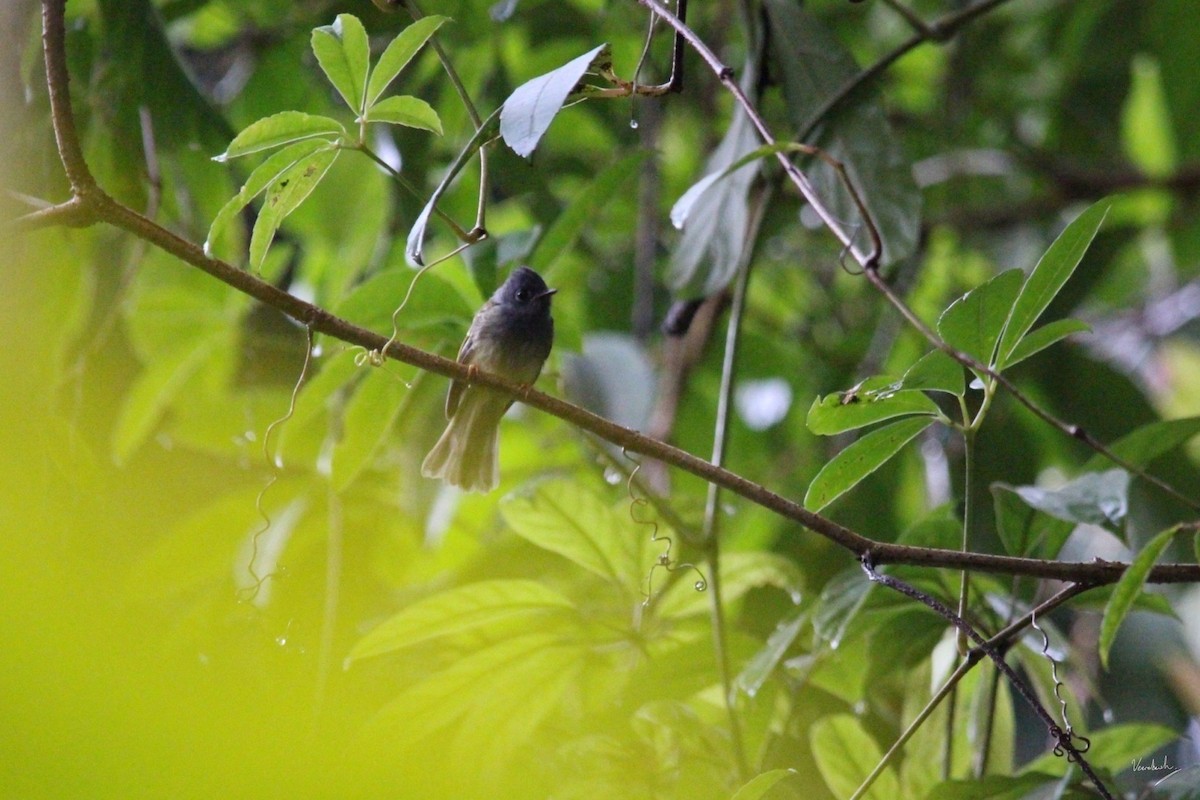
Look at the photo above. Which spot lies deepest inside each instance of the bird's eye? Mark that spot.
(522, 295)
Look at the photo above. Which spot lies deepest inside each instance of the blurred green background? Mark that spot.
(162, 639)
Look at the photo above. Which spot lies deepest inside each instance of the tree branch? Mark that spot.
(96, 205)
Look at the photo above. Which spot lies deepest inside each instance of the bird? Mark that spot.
(511, 336)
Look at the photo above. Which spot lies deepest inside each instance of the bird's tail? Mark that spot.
(467, 454)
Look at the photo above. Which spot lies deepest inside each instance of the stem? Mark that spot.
(711, 538)
(964, 587)
(404, 182)
(476, 119)
(989, 726)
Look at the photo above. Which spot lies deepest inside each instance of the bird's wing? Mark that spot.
(454, 397)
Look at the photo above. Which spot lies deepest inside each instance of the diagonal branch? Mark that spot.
(98, 206)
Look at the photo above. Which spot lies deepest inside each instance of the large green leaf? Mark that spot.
(974, 322)
(344, 53)
(1049, 276)
(398, 53)
(1043, 337)
(935, 372)
(565, 518)
(531, 108)
(475, 606)
(1128, 588)
(814, 66)
(845, 754)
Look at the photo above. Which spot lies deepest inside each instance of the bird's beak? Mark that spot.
(546, 293)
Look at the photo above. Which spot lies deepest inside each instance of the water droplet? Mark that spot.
(278, 461)
(317, 351)
(700, 585)
(612, 477)
(1108, 716)
(633, 123)
(250, 436)
(281, 641)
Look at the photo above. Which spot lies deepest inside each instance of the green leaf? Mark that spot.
(533, 662)
(529, 110)
(565, 518)
(1128, 588)
(263, 176)
(813, 66)
(412, 112)
(1148, 442)
(757, 787)
(344, 53)
(1113, 748)
(842, 598)
(935, 372)
(576, 217)
(974, 322)
(741, 571)
(280, 129)
(1043, 337)
(368, 421)
(759, 668)
(711, 247)
(1022, 528)
(860, 459)
(1049, 276)
(845, 754)
(288, 191)
(478, 605)
(1094, 498)
(836, 413)
(397, 55)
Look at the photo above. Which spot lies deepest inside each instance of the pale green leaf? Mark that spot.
(1049, 276)
(477, 605)
(1148, 442)
(397, 55)
(1094, 498)
(759, 668)
(344, 53)
(280, 129)
(759, 785)
(1128, 588)
(529, 110)
(412, 112)
(288, 191)
(263, 176)
(860, 459)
